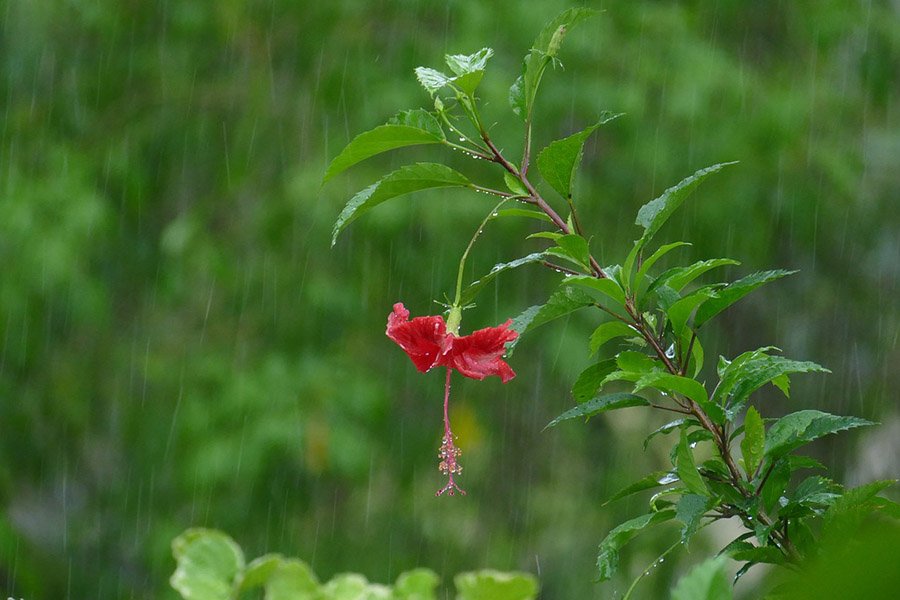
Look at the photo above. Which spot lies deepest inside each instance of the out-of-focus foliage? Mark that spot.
(179, 346)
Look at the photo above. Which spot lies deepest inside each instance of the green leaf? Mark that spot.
(680, 311)
(432, 80)
(381, 139)
(411, 178)
(844, 517)
(468, 83)
(687, 468)
(609, 331)
(653, 258)
(420, 119)
(608, 287)
(292, 580)
(774, 488)
(690, 511)
(669, 428)
(598, 405)
(752, 370)
(678, 278)
(648, 482)
(733, 292)
(494, 585)
(545, 48)
(754, 441)
(463, 64)
(745, 551)
(706, 581)
(591, 379)
(608, 557)
(516, 187)
(558, 162)
(475, 287)
(667, 382)
(813, 495)
(563, 302)
(209, 564)
(802, 427)
(523, 212)
(574, 247)
(418, 584)
(655, 213)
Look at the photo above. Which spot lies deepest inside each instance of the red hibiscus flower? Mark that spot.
(478, 355)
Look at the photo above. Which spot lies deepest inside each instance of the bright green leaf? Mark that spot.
(598, 405)
(209, 564)
(667, 382)
(707, 581)
(494, 585)
(669, 428)
(463, 64)
(378, 140)
(608, 287)
(411, 178)
(752, 370)
(418, 584)
(653, 258)
(575, 247)
(293, 580)
(608, 557)
(687, 468)
(733, 292)
(802, 427)
(754, 441)
(523, 212)
(680, 311)
(432, 80)
(516, 187)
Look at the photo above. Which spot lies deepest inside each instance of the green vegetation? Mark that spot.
(181, 349)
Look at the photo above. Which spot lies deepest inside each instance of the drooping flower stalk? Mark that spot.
(449, 452)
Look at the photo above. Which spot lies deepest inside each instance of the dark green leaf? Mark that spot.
(754, 441)
(678, 278)
(575, 247)
(669, 427)
(411, 178)
(745, 551)
(775, 485)
(470, 292)
(598, 405)
(637, 362)
(667, 382)
(843, 518)
(609, 331)
(752, 370)
(687, 469)
(655, 479)
(813, 495)
(378, 140)
(706, 581)
(733, 292)
(590, 380)
(563, 302)
(559, 161)
(608, 557)
(690, 510)
(802, 427)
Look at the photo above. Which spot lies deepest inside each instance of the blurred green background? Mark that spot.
(180, 347)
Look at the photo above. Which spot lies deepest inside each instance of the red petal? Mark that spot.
(479, 354)
(422, 338)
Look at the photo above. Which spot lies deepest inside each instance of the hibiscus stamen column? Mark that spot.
(449, 452)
